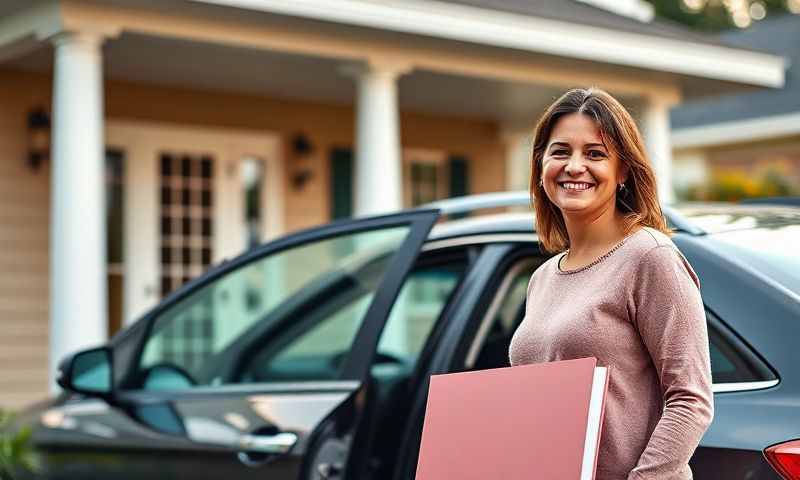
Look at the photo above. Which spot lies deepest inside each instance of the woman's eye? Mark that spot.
(596, 154)
(559, 153)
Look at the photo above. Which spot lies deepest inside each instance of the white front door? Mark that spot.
(193, 196)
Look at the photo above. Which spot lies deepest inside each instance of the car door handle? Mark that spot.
(273, 444)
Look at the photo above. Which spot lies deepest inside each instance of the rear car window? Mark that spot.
(731, 360)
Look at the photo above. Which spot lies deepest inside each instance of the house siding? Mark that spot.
(24, 218)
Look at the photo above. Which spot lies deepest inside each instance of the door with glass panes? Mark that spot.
(192, 197)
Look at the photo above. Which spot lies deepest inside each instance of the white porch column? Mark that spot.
(378, 169)
(655, 128)
(690, 169)
(519, 144)
(77, 225)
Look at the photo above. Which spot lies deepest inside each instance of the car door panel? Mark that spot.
(213, 429)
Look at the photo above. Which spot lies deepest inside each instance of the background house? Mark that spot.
(182, 131)
(748, 143)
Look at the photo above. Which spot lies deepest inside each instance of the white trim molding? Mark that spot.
(636, 9)
(523, 32)
(738, 131)
(743, 386)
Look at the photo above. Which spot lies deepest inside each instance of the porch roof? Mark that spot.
(519, 60)
(542, 27)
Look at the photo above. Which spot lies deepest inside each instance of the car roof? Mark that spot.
(791, 200)
(693, 218)
(718, 217)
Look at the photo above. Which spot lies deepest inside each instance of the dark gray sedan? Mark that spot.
(309, 357)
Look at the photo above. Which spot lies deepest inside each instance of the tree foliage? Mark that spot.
(715, 15)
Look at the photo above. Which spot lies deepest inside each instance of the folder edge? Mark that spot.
(594, 428)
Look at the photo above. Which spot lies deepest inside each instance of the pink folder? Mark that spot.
(537, 421)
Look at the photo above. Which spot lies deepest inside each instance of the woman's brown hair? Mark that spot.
(638, 200)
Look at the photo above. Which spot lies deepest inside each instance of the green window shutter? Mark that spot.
(341, 187)
(459, 176)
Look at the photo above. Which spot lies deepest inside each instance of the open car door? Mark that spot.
(257, 369)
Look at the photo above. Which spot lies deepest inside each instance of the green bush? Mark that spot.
(16, 450)
(732, 186)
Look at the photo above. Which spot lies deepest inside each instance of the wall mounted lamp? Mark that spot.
(38, 137)
(302, 149)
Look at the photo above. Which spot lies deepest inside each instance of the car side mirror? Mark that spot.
(88, 372)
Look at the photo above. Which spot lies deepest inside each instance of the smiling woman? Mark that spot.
(619, 291)
(589, 160)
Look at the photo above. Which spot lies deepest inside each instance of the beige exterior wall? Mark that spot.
(24, 194)
(327, 126)
(24, 199)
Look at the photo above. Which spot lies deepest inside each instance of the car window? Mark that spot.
(723, 368)
(506, 315)
(490, 348)
(731, 361)
(287, 303)
(314, 354)
(418, 307)
(317, 352)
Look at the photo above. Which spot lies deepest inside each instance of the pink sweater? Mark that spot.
(638, 310)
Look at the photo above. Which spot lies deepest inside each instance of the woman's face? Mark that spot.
(579, 174)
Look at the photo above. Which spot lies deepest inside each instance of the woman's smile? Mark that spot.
(575, 187)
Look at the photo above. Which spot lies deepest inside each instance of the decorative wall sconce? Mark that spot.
(38, 137)
(301, 170)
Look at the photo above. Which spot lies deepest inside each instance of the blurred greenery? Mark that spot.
(16, 449)
(712, 15)
(735, 185)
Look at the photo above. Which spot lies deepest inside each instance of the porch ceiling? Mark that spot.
(194, 65)
(12, 7)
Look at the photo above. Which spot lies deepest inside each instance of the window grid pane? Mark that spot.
(186, 218)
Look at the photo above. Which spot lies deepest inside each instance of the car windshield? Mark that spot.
(773, 251)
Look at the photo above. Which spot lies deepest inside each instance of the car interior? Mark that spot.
(489, 350)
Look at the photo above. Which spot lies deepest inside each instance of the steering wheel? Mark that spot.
(167, 376)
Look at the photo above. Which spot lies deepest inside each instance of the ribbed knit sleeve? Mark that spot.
(670, 319)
